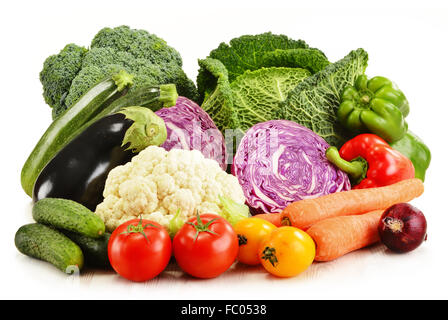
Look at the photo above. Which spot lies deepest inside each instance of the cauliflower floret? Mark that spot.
(157, 184)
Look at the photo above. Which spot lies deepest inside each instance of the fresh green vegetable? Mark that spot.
(147, 129)
(68, 215)
(310, 59)
(253, 52)
(375, 106)
(94, 250)
(253, 96)
(45, 243)
(313, 103)
(233, 211)
(175, 224)
(58, 72)
(69, 74)
(243, 83)
(269, 86)
(415, 149)
(62, 130)
(152, 97)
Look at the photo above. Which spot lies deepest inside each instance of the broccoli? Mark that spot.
(148, 58)
(138, 43)
(58, 72)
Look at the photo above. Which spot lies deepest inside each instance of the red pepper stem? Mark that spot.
(356, 169)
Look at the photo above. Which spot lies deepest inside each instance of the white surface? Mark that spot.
(405, 42)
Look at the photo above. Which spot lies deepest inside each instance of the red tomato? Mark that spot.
(205, 246)
(139, 249)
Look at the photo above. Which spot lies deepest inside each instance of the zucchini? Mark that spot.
(68, 215)
(94, 250)
(63, 129)
(152, 97)
(44, 243)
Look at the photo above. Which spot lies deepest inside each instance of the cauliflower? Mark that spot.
(158, 184)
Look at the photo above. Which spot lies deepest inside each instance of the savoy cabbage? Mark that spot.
(243, 83)
(313, 103)
(257, 78)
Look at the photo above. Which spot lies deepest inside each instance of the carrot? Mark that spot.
(335, 237)
(302, 214)
(273, 218)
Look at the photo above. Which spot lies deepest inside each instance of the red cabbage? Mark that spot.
(190, 127)
(279, 161)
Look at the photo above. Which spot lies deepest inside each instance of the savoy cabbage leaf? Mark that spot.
(258, 94)
(311, 59)
(313, 102)
(243, 82)
(219, 102)
(253, 97)
(252, 52)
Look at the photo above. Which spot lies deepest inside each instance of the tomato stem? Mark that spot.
(139, 228)
(269, 254)
(201, 227)
(242, 240)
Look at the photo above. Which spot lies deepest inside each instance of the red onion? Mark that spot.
(402, 228)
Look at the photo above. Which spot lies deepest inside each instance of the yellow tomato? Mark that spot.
(287, 251)
(251, 232)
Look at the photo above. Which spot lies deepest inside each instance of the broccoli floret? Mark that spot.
(86, 78)
(139, 43)
(148, 58)
(58, 72)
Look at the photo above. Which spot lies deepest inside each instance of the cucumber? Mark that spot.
(62, 130)
(68, 215)
(94, 250)
(44, 243)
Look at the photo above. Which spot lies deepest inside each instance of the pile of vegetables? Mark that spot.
(277, 158)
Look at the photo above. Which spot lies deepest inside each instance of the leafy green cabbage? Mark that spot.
(266, 77)
(233, 211)
(313, 102)
(243, 83)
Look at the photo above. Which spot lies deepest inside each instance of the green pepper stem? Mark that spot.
(365, 99)
(356, 168)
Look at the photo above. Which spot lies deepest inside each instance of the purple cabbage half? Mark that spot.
(190, 127)
(278, 162)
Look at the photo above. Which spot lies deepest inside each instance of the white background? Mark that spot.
(406, 42)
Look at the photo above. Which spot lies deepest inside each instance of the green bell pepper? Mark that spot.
(375, 106)
(413, 147)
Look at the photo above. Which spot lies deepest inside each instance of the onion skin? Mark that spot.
(402, 228)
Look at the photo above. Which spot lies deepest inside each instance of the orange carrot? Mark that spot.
(337, 236)
(302, 214)
(273, 218)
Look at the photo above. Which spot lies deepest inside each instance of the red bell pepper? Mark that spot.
(371, 162)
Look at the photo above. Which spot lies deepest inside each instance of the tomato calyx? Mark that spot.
(242, 240)
(201, 227)
(269, 255)
(139, 228)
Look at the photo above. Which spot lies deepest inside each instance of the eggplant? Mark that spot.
(79, 170)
